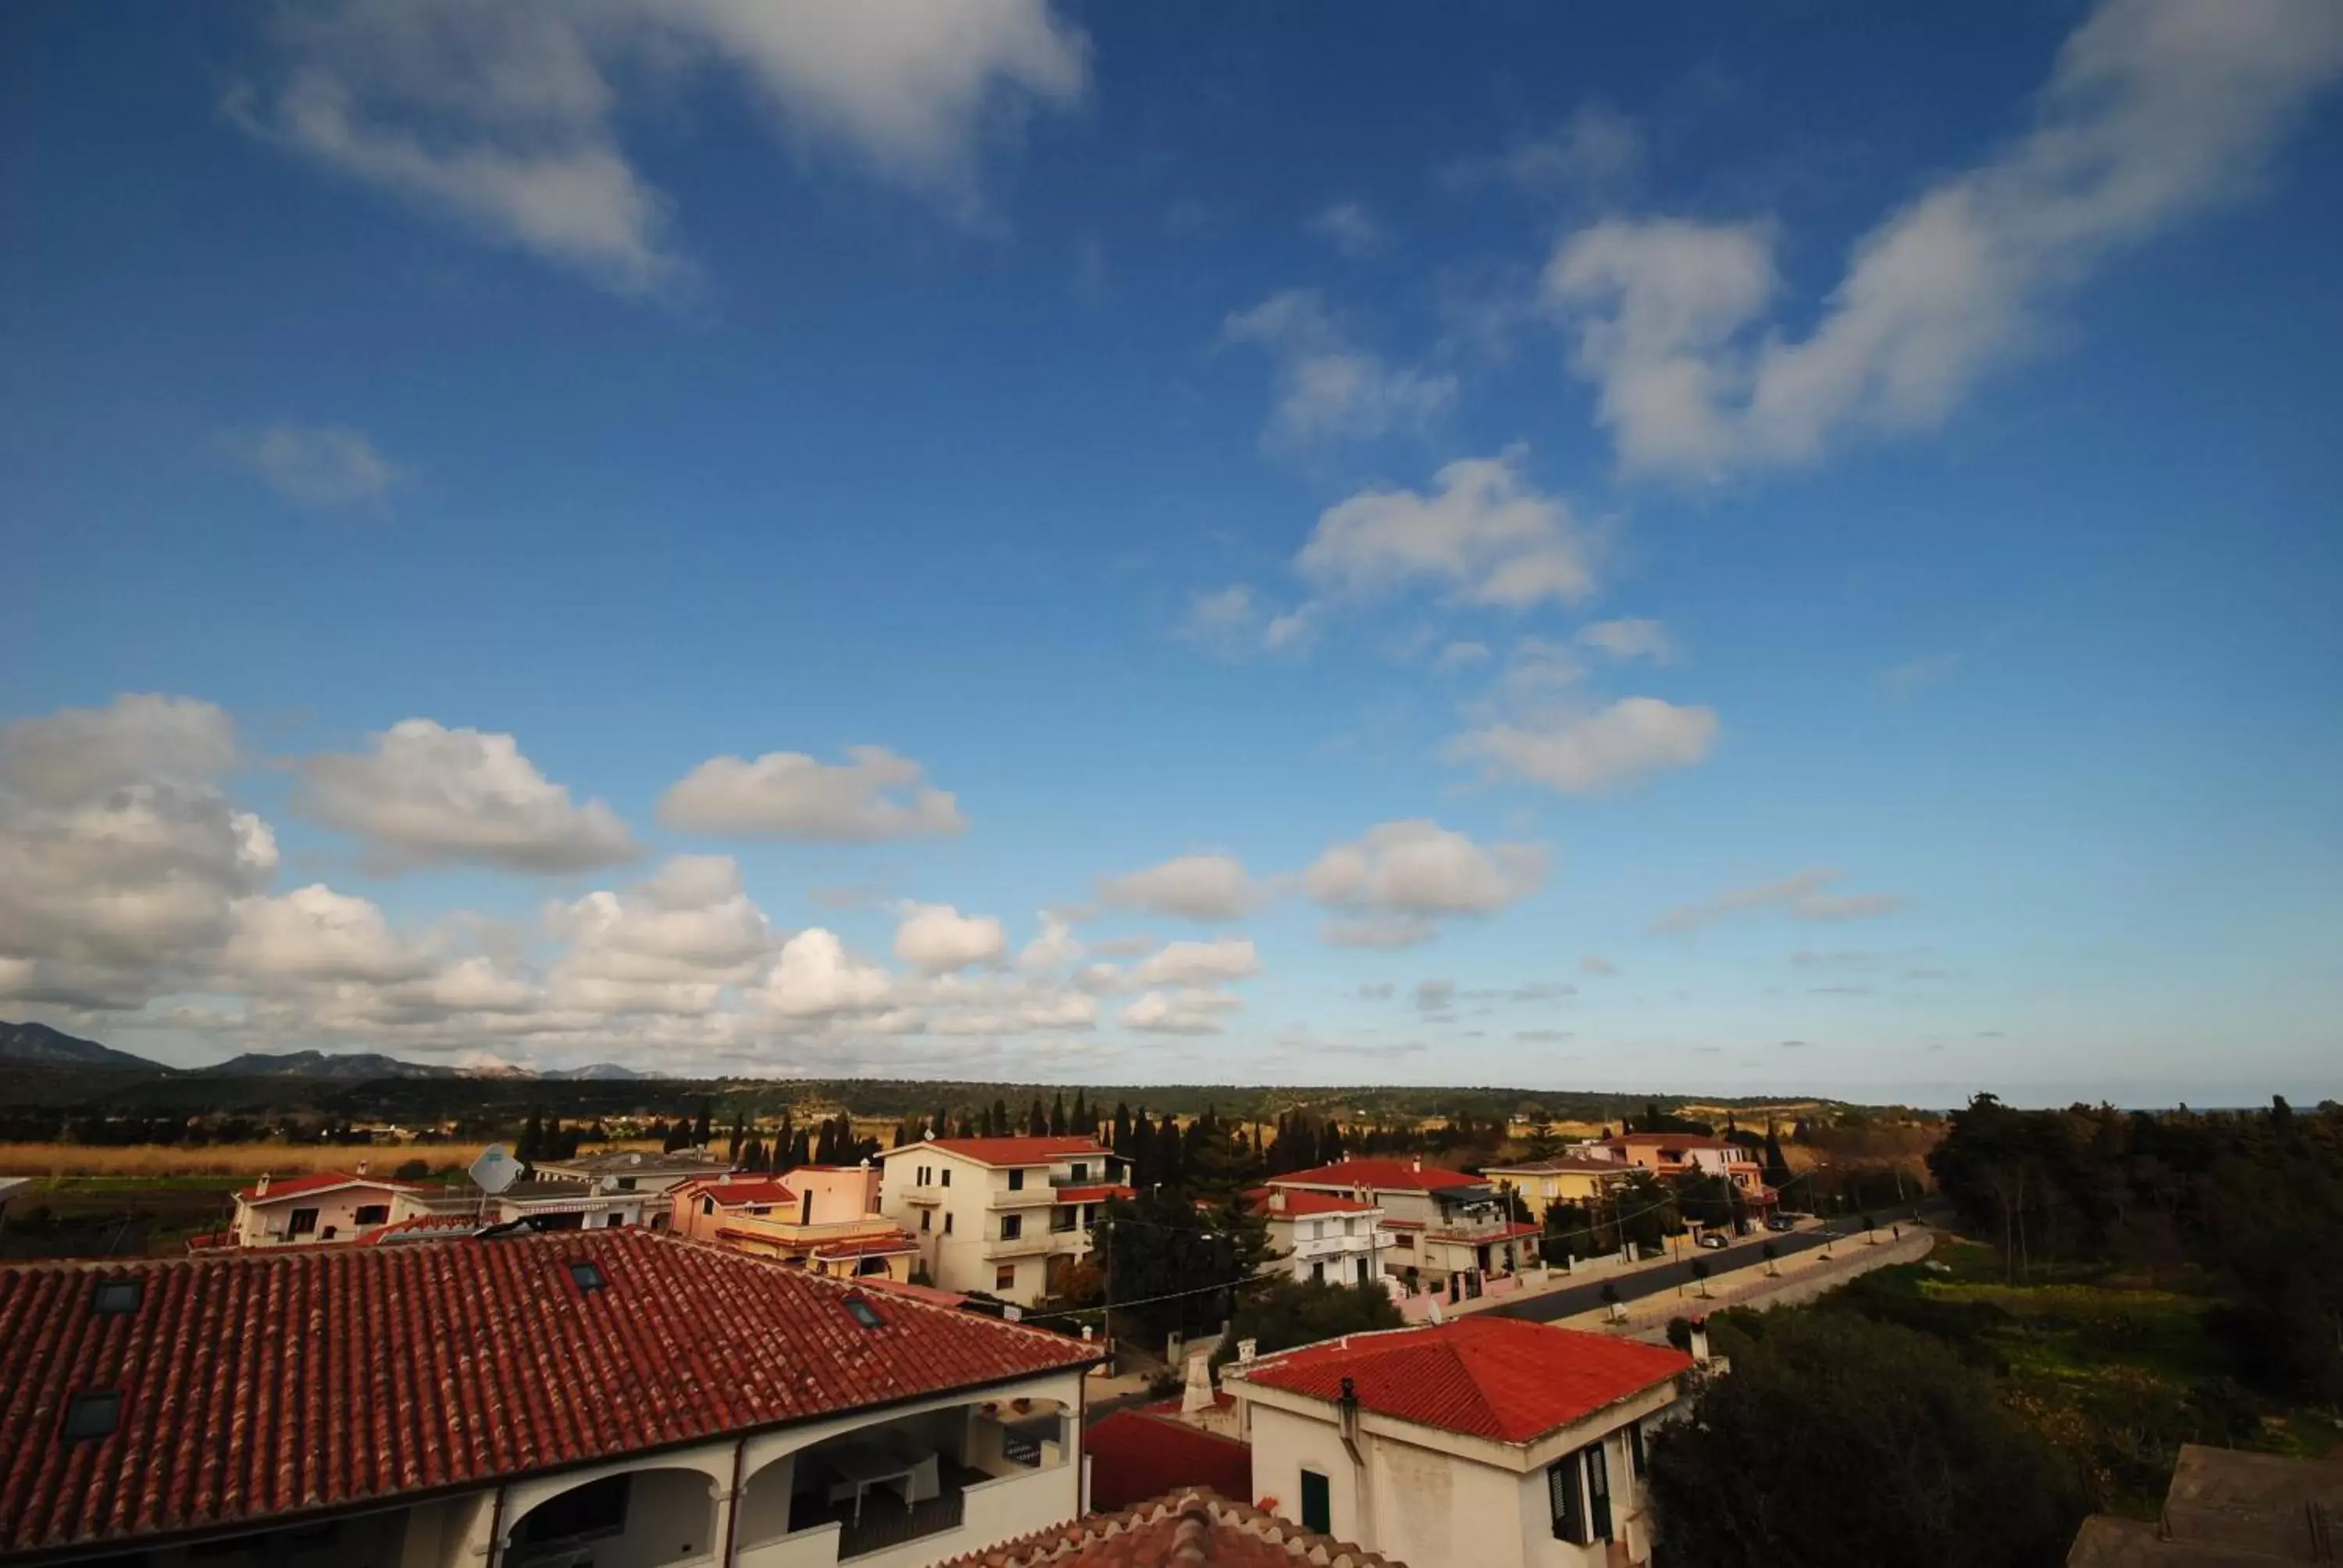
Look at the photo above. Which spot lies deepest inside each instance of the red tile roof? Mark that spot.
(1400, 1175)
(1307, 1204)
(259, 1383)
(1501, 1378)
(1010, 1150)
(737, 1194)
(1135, 1456)
(1193, 1525)
(927, 1293)
(429, 1225)
(1094, 1194)
(323, 1182)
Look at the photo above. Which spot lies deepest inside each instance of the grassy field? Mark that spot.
(2117, 1369)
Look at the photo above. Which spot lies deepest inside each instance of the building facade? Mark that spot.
(1321, 1237)
(1003, 1216)
(1446, 1230)
(304, 1210)
(1489, 1441)
(603, 1399)
(821, 1217)
(1570, 1181)
(637, 1171)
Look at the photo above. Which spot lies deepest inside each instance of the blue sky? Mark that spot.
(1649, 548)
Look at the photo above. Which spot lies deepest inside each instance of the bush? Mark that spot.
(413, 1171)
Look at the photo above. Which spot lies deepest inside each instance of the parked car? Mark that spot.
(1780, 1222)
(1715, 1240)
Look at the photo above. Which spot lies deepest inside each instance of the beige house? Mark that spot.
(1568, 1179)
(1005, 1216)
(821, 1217)
(1489, 1442)
(329, 1206)
(605, 1399)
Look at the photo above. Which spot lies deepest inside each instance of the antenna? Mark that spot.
(495, 1169)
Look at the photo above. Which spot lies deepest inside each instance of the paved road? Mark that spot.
(1664, 1278)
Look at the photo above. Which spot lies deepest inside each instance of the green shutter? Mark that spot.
(1317, 1504)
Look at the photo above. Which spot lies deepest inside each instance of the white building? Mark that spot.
(1321, 1237)
(1445, 1230)
(634, 1171)
(1001, 1215)
(328, 1206)
(610, 1399)
(1489, 1441)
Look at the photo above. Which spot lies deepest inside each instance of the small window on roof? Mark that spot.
(117, 1298)
(859, 1309)
(93, 1415)
(588, 1277)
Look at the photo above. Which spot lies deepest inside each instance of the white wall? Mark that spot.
(336, 1209)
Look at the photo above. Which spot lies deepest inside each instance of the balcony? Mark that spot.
(1034, 1243)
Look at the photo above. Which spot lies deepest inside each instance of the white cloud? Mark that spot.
(1328, 388)
(1399, 879)
(1598, 147)
(1581, 751)
(1179, 1013)
(815, 977)
(874, 796)
(428, 795)
(1053, 947)
(672, 945)
(2157, 110)
(1484, 535)
(316, 934)
(312, 466)
(1203, 963)
(1804, 896)
(1596, 964)
(1625, 640)
(1205, 887)
(1436, 995)
(937, 938)
(506, 117)
(120, 859)
(1350, 227)
(81, 753)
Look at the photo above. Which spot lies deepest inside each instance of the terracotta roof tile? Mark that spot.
(1192, 1526)
(1136, 1454)
(1400, 1175)
(1096, 1194)
(1501, 1378)
(886, 1246)
(262, 1382)
(1307, 1204)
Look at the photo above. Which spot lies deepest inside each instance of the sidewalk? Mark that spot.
(1800, 1277)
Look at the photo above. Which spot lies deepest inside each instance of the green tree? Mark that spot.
(1284, 1313)
(1841, 1442)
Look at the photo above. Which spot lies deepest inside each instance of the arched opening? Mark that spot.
(895, 1481)
(635, 1519)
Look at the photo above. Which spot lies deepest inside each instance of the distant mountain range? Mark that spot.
(36, 1044)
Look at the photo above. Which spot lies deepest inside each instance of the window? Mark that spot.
(1364, 1277)
(927, 1215)
(920, 1179)
(1012, 1227)
(1404, 1242)
(1081, 1170)
(373, 1214)
(1062, 1217)
(1318, 1273)
(947, 1218)
(304, 1223)
(625, 1183)
(1004, 1278)
(588, 1277)
(859, 1309)
(1350, 1227)
(944, 1176)
(94, 1414)
(708, 1205)
(116, 1298)
(1598, 1490)
(1090, 1214)
(1635, 1450)
(597, 1508)
(1317, 1503)
(614, 1222)
(1017, 1181)
(1567, 1500)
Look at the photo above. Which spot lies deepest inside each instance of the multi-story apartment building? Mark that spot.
(1448, 1231)
(821, 1217)
(1670, 1154)
(1570, 1179)
(1486, 1441)
(1001, 1215)
(1322, 1237)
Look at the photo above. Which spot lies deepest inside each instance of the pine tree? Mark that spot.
(739, 1131)
(1120, 1143)
(942, 1123)
(998, 1125)
(532, 1140)
(1057, 1115)
(1085, 1121)
(700, 1132)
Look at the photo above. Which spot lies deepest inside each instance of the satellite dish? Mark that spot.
(495, 1169)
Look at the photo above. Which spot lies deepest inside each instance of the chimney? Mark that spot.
(362, 1167)
(1277, 1199)
(1198, 1392)
(260, 1188)
(1419, 1162)
(1700, 1341)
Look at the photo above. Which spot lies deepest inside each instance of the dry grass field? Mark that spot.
(241, 1160)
